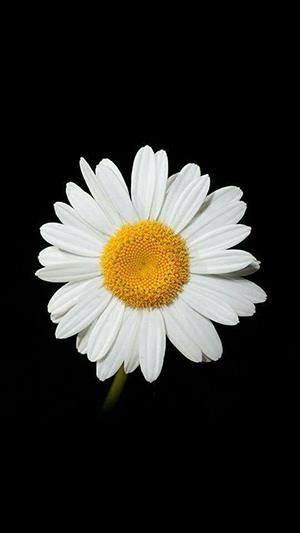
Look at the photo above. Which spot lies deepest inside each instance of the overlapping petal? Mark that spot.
(84, 312)
(72, 239)
(84, 268)
(116, 192)
(152, 343)
(185, 196)
(220, 261)
(124, 344)
(105, 330)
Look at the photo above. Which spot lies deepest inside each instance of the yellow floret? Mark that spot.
(145, 264)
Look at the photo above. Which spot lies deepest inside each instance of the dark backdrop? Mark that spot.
(220, 111)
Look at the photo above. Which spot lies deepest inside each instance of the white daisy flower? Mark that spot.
(137, 269)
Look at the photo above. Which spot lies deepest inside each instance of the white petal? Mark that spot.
(68, 216)
(212, 218)
(71, 239)
(70, 271)
(170, 180)
(123, 345)
(248, 289)
(218, 239)
(105, 330)
(196, 327)
(253, 267)
(209, 304)
(143, 180)
(188, 177)
(97, 192)
(152, 344)
(55, 318)
(223, 196)
(116, 171)
(88, 209)
(159, 191)
(178, 183)
(131, 360)
(52, 256)
(187, 174)
(82, 338)
(89, 307)
(184, 198)
(60, 313)
(116, 193)
(107, 367)
(225, 289)
(180, 334)
(220, 262)
(70, 294)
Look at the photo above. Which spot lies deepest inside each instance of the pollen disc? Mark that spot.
(145, 264)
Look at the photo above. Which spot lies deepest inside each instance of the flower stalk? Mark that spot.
(115, 390)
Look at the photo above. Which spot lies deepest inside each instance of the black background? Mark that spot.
(205, 96)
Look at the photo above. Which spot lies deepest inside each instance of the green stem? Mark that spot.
(115, 390)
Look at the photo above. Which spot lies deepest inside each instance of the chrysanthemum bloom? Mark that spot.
(137, 269)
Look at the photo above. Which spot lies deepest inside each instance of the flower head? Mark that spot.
(137, 269)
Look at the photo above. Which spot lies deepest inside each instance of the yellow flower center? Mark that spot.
(145, 264)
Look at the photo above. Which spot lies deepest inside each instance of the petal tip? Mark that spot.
(149, 379)
(58, 333)
(146, 148)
